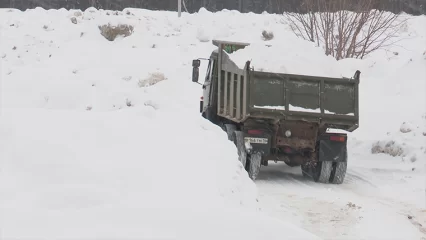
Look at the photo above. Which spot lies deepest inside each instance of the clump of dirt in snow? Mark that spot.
(391, 148)
(74, 20)
(152, 79)
(267, 35)
(110, 32)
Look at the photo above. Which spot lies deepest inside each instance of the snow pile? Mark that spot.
(102, 139)
(86, 175)
(289, 55)
(393, 98)
(392, 89)
(409, 144)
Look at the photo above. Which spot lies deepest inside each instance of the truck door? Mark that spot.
(207, 86)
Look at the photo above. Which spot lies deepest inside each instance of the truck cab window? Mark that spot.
(209, 71)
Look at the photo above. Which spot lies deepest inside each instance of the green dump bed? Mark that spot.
(244, 93)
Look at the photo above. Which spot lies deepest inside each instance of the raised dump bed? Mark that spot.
(245, 93)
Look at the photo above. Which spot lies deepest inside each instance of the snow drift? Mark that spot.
(101, 138)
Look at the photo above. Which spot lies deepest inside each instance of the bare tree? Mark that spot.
(92, 3)
(343, 33)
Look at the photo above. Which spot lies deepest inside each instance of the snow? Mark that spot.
(98, 175)
(103, 139)
(348, 114)
(299, 57)
(271, 107)
(300, 109)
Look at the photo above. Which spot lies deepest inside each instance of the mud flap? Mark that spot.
(258, 143)
(332, 159)
(329, 150)
(230, 129)
(254, 165)
(239, 142)
(338, 172)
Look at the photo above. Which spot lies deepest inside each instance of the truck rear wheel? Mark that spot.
(338, 172)
(253, 165)
(322, 171)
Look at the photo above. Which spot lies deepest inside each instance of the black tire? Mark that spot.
(305, 171)
(253, 164)
(210, 115)
(239, 142)
(322, 171)
(338, 172)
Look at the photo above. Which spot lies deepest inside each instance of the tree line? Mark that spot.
(415, 7)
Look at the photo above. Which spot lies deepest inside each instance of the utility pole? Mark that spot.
(179, 8)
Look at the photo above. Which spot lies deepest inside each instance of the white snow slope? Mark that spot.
(103, 139)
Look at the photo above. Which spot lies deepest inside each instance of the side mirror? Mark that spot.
(195, 70)
(196, 63)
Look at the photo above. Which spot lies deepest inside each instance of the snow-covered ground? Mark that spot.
(103, 139)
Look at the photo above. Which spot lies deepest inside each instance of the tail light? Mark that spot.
(201, 98)
(337, 138)
(255, 132)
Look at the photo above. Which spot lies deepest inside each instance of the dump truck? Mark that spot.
(280, 117)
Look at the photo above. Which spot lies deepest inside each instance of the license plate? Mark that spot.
(256, 140)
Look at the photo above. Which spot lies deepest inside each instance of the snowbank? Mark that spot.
(393, 97)
(124, 174)
(288, 55)
(102, 139)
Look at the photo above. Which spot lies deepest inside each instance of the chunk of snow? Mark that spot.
(280, 57)
(300, 109)
(203, 35)
(271, 107)
(405, 127)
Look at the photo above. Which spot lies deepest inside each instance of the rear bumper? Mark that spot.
(258, 143)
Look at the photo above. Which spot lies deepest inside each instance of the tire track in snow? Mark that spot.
(416, 223)
(286, 193)
(339, 212)
(355, 177)
(416, 216)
